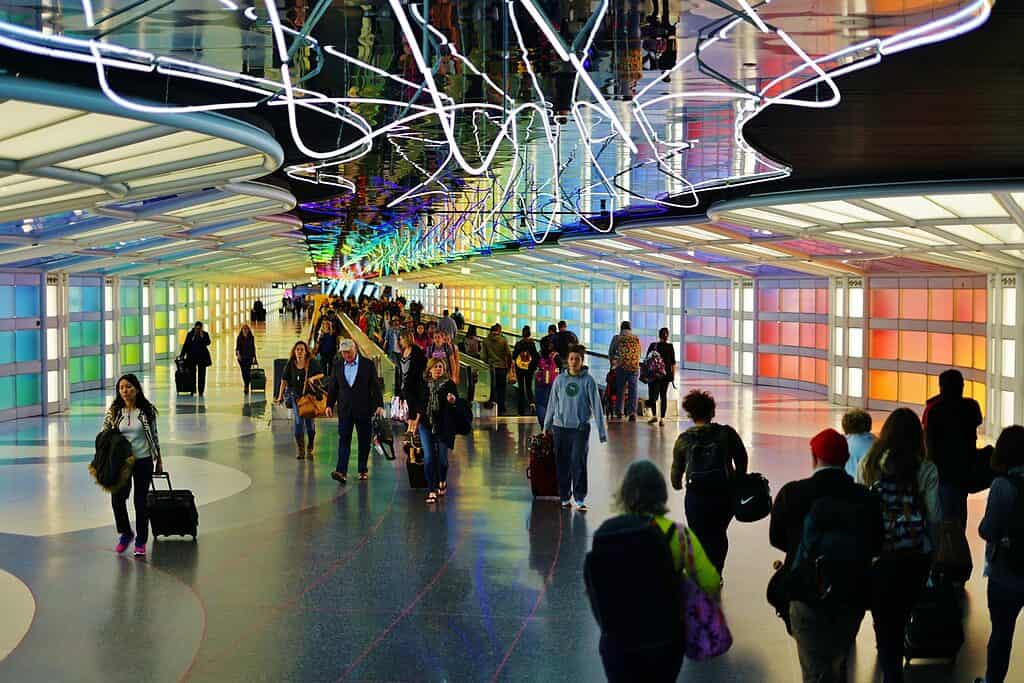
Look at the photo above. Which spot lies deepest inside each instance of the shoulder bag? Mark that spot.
(706, 633)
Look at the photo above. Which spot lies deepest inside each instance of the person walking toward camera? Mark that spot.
(299, 375)
(355, 395)
(195, 351)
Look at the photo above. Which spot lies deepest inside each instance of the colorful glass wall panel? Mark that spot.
(707, 315)
(792, 333)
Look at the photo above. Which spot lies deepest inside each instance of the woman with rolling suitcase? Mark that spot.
(245, 354)
(134, 416)
(434, 421)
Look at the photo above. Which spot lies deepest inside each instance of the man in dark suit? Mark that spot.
(195, 352)
(355, 389)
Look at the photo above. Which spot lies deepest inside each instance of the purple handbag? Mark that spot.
(706, 633)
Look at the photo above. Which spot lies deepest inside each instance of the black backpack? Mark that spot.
(707, 458)
(832, 563)
(634, 590)
(1011, 546)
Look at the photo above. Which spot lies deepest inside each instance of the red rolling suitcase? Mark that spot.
(541, 471)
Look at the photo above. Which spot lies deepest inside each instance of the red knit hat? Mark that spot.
(829, 448)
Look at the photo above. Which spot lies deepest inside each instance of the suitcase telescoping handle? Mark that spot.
(161, 475)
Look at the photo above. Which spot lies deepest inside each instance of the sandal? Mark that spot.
(442, 488)
(431, 497)
(363, 476)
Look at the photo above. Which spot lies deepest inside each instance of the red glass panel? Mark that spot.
(768, 332)
(768, 365)
(790, 334)
(885, 344)
(963, 305)
(707, 354)
(821, 336)
(768, 300)
(693, 353)
(885, 303)
(722, 355)
(807, 335)
(980, 305)
(821, 301)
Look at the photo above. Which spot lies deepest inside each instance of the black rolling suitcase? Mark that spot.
(936, 626)
(172, 512)
(414, 462)
(257, 379)
(184, 377)
(279, 365)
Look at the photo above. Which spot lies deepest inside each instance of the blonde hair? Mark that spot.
(407, 338)
(433, 363)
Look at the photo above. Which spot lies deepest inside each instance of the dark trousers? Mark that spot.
(1004, 605)
(200, 371)
(541, 400)
(571, 461)
(823, 640)
(246, 367)
(896, 587)
(525, 380)
(396, 360)
(658, 391)
(708, 515)
(499, 381)
(659, 664)
(953, 502)
(363, 432)
(142, 475)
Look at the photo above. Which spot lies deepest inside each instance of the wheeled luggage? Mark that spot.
(936, 627)
(414, 462)
(172, 512)
(541, 471)
(257, 379)
(279, 366)
(184, 378)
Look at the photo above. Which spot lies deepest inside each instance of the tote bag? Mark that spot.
(706, 633)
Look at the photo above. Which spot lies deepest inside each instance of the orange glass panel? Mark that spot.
(821, 336)
(722, 355)
(914, 304)
(707, 327)
(980, 305)
(913, 346)
(940, 348)
(963, 305)
(790, 300)
(708, 356)
(768, 365)
(979, 353)
(821, 371)
(790, 334)
(821, 301)
(933, 385)
(807, 369)
(941, 302)
(884, 385)
(913, 388)
(722, 327)
(707, 298)
(768, 300)
(789, 367)
(963, 350)
(768, 332)
(885, 344)
(807, 300)
(885, 303)
(807, 335)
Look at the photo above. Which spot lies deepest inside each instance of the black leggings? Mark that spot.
(142, 475)
(658, 389)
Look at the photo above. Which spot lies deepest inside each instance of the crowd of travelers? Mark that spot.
(879, 524)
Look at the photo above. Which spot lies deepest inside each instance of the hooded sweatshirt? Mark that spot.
(575, 400)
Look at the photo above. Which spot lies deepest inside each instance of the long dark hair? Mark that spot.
(643, 490)
(902, 438)
(291, 356)
(141, 402)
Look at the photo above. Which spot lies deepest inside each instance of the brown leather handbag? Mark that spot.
(312, 403)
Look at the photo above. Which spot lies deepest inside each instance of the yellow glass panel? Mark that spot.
(884, 385)
(933, 385)
(979, 353)
(913, 388)
(160, 344)
(963, 350)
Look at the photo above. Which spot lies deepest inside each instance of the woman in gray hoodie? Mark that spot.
(574, 401)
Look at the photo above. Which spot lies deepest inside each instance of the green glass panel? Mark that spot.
(6, 347)
(75, 370)
(7, 392)
(75, 335)
(129, 297)
(91, 368)
(26, 345)
(26, 301)
(91, 330)
(160, 295)
(160, 320)
(130, 326)
(130, 354)
(28, 389)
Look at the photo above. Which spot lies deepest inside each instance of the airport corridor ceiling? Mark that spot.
(437, 139)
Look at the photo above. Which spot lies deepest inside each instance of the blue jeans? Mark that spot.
(435, 458)
(571, 461)
(363, 430)
(541, 394)
(301, 422)
(625, 379)
(1004, 606)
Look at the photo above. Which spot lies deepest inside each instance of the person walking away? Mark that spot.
(245, 354)
(575, 400)
(393, 348)
(1003, 531)
(645, 558)
(434, 421)
(857, 428)
(951, 430)
(498, 357)
(326, 348)
(459, 319)
(301, 371)
(657, 388)
(565, 339)
(712, 457)
(626, 360)
(447, 325)
(354, 390)
(895, 469)
(830, 528)
(547, 370)
(195, 352)
(134, 416)
(443, 349)
(525, 358)
(471, 342)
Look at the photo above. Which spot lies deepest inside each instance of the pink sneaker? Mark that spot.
(123, 542)
(140, 551)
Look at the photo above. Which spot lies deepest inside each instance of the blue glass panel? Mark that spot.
(26, 301)
(26, 345)
(6, 301)
(6, 347)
